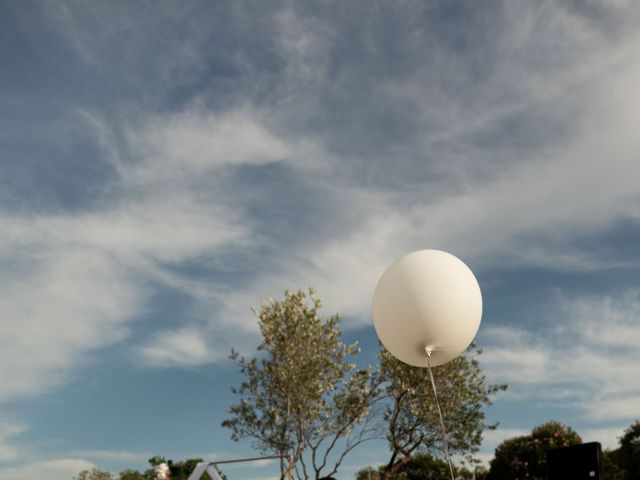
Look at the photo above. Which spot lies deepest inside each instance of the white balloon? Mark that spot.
(427, 299)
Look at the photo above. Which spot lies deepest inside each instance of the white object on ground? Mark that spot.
(162, 472)
(204, 467)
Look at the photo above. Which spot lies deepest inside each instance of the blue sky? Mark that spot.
(166, 166)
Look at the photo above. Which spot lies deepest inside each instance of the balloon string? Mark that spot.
(444, 430)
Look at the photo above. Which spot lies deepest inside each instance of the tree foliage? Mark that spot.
(302, 398)
(179, 471)
(611, 465)
(422, 466)
(94, 474)
(411, 414)
(130, 474)
(526, 456)
(623, 463)
(629, 452)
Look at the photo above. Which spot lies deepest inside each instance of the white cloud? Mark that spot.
(493, 438)
(515, 212)
(344, 270)
(515, 356)
(183, 347)
(253, 464)
(46, 470)
(192, 143)
(607, 436)
(527, 214)
(73, 299)
(490, 221)
(8, 451)
(118, 455)
(587, 362)
(610, 408)
(71, 282)
(304, 43)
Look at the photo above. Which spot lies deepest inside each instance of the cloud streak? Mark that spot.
(583, 359)
(84, 276)
(46, 470)
(8, 451)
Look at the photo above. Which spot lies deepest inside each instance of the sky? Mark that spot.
(167, 166)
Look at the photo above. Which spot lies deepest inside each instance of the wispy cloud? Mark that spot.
(188, 145)
(582, 357)
(528, 214)
(607, 436)
(492, 438)
(187, 346)
(495, 205)
(118, 455)
(8, 451)
(84, 276)
(47, 470)
(65, 300)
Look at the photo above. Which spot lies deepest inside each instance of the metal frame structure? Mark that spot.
(210, 467)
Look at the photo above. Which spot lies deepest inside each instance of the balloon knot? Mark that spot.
(428, 351)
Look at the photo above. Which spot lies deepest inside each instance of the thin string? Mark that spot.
(444, 430)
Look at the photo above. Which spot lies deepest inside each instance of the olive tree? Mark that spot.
(302, 397)
(411, 415)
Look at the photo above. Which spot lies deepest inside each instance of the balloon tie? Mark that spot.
(428, 351)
